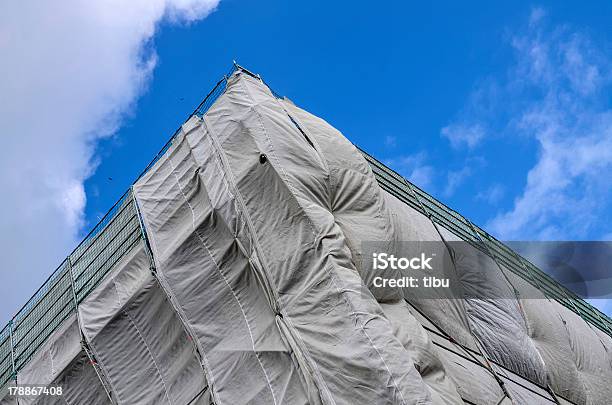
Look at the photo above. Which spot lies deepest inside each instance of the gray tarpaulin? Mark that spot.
(141, 347)
(586, 352)
(251, 288)
(362, 212)
(551, 338)
(495, 316)
(138, 339)
(575, 354)
(473, 380)
(293, 249)
(211, 269)
(447, 311)
(80, 385)
(61, 362)
(57, 353)
(495, 320)
(5, 397)
(426, 358)
(523, 391)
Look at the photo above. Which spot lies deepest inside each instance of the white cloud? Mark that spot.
(572, 123)
(413, 167)
(456, 178)
(70, 71)
(555, 93)
(563, 80)
(468, 130)
(492, 195)
(462, 134)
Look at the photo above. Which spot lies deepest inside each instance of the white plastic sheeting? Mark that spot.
(61, 362)
(495, 316)
(210, 268)
(576, 354)
(447, 311)
(142, 351)
(362, 212)
(254, 292)
(137, 338)
(292, 249)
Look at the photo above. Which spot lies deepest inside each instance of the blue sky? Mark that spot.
(500, 109)
(391, 79)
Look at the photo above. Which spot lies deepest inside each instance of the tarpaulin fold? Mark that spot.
(251, 288)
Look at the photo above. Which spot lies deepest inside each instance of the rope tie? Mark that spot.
(476, 340)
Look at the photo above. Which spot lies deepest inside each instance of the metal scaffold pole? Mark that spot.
(14, 368)
(84, 344)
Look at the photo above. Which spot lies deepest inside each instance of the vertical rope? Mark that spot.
(171, 299)
(516, 293)
(495, 259)
(74, 295)
(517, 297)
(84, 344)
(479, 345)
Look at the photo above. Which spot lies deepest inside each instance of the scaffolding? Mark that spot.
(120, 230)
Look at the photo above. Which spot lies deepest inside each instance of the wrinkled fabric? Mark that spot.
(251, 288)
(60, 349)
(576, 354)
(496, 318)
(61, 362)
(447, 311)
(474, 382)
(425, 356)
(212, 272)
(80, 385)
(128, 320)
(297, 252)
(363, 213)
